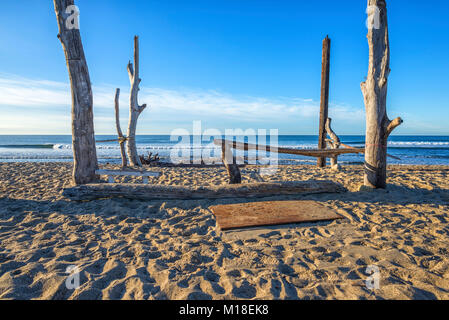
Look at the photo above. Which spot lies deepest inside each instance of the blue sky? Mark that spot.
(231, 64)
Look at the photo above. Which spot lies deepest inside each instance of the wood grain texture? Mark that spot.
(324, 105)
(163, 192)
(266, 213)
(230, 164)
(316, 153)
(374, 89)
(134, 108)
(83, 137)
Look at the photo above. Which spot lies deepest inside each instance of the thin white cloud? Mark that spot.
(166, 104)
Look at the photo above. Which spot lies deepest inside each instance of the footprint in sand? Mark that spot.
(245, 291)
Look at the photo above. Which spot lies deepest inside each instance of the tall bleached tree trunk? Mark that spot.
(134, 109)
(83, 138)
(378, 126)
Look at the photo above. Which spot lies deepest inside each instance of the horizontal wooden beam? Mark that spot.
(347, 146)
(165, 192)
(316, 153)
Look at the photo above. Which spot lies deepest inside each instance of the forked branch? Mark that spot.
(393, 125)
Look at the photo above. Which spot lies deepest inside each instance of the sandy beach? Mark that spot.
(129, 249)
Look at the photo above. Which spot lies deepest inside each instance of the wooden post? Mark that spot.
(230, 163)
(134, 109)
(83, 138)
(121, 138)
(324, 98)
(378, 126)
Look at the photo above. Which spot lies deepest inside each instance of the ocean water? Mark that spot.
(428, 150)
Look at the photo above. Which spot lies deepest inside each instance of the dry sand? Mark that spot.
(173, 249)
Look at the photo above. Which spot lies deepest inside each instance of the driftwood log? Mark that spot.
(121, 138)
(83, 138)
(161, 192)
(315, 153)
(150, 159)
(374, 89)
(134, 108)
(334, 142)
(324, 106)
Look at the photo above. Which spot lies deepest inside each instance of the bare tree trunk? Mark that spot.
(83, 137)
(134, 109)
(378, 126)
(324, 98)
(121, 138)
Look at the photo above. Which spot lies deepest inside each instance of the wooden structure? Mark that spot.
(111, 173)
(324, 105)
(166, 192)
(266, 213)
(374, 89)
(231, 163)
(83, 138)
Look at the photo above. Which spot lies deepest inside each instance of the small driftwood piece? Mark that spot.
(150, 159)
(163, 192)
(334, 143)
(134, 108)
(121, 138)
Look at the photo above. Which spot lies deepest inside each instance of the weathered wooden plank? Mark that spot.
(266, 213)
(324, 105)
(164, 192)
